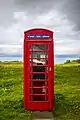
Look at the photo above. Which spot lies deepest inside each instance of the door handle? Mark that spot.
(50, 69)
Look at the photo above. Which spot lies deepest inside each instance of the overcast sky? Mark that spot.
(60, 16)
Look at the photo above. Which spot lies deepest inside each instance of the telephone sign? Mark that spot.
(38, 36)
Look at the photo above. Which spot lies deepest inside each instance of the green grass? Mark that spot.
(11, 93)
(67, 92)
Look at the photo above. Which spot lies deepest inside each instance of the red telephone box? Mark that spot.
(38, 69)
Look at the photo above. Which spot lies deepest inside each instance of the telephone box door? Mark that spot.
(39, 75)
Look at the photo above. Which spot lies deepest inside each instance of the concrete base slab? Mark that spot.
(44, 115)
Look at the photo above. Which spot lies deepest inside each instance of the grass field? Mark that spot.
(67, 92)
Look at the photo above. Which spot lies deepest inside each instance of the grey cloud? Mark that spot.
(7, 8)
(71, 8)
(36, 6)
(68, 8)
(69, 36)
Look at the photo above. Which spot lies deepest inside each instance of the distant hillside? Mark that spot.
(72, 61)
(68, 55)
(10, 55)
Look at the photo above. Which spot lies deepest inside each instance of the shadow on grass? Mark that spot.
(63, 107)
(13, 110)
(59, 102)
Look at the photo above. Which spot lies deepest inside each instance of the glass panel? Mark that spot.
(46, 98)
(38, 72)
(38, 55)
(38, 98)
(46, 76)
(38, 83)
(39, 76)
(38, 90)
(38, 68)
(38, 62)
(42, 90)
(38, 47)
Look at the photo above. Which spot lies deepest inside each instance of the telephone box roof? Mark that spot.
(39, 29)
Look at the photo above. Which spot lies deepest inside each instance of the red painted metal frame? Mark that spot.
(38, 105)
